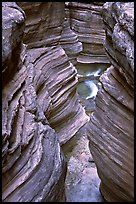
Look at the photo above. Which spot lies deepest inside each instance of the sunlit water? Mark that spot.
(88, 88)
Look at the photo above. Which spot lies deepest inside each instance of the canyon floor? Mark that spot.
(82, 181)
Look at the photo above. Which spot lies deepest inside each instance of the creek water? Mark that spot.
(88, 87)
(82, 181)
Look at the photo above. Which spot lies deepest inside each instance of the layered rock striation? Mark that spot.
(58, 77)
(40, 109)
(70, 43)
(86, 21)
(111, 129)
(53, 68)
(43, 24)
(33, 166)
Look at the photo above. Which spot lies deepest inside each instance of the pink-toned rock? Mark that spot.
(86, 21)
(33, 165)
(40, 108)
(111, 129)
(70, 43)
(43, 23)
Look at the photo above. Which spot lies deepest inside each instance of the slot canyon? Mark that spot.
(67, 102)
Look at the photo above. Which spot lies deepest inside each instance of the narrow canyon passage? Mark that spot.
(82, 180)
(67, 102)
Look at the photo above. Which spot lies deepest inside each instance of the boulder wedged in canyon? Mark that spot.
(86, 21)
(111, 127)
(39, 104)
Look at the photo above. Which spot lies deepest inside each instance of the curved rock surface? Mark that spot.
(58, 77)
(86, 21)
(43, 23)
(70, 43)
(39, 103)
(111, 129)
(33, 165)
(65, 113)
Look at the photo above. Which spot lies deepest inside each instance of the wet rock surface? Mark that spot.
(89, 83)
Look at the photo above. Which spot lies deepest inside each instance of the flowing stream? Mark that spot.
(88, 85)
(82, 181)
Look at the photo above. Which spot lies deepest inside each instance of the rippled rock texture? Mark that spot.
(43, 29)
(70, 43)
(86, 21)
(65, 114)
(111, 129)
(43, 23)
(40, 109)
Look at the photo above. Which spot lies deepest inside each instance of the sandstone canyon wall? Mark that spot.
(111, 128)
(40, 109)
(86, 22)
(64, 113)
(41, 41)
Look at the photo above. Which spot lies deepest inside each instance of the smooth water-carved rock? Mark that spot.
(39, 104)
(43, 23)
(65, 114)
(33, 165)
(70, 43)
(86, 21)
(58, 76)
(111, 129)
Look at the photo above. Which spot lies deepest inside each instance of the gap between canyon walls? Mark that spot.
(53, 102)
(82, 180)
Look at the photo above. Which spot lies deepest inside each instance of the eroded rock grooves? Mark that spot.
(39, 89)
(41, 44)
(86, 21)
(64, 114)
(111, 129)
